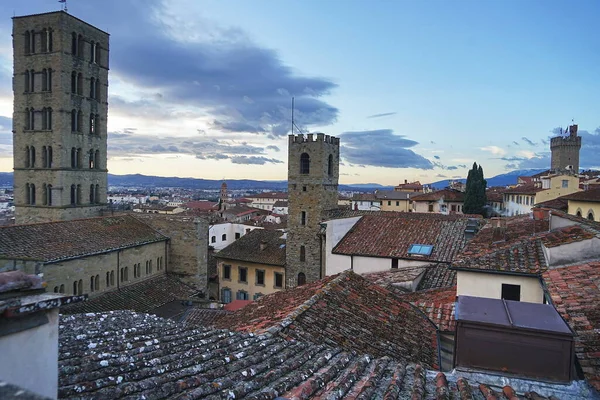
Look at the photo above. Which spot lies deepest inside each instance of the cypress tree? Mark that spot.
(475, 196)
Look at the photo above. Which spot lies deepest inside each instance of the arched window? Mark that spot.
(91, 159)
(44, 80)
(49, 195)
(590, 215)
(92, 286)
(92, 196)
(97, 194)
(97, 282)
(213, 239)
(224, 237)
(73, 195)
(107, 279)
(93, 52)
(302, 253)
(47, 118)
(78, 194)
(97, 54)
(126, 273)
(74, 43)
(48, 79)
(27, 42)
(31, 157)
(55, 289)
(97, 123)
(112, 278)
(79, 158)
(79, 120)
(97, 159)
(74, 82)
(97, 90)
(30, 193)
(330, 165)
(32, 42)
(29, 81)
(92, 124)
(74, 120)
(80, 46)
(44, 194)
(80, 286)
(150, 264)
(80, 84)
(29, 119)
(62, 288)
(579, 213)
(44, 40)
(301, 279)
(75, 288)
(27, 157)
(92, 88)
(304, 163)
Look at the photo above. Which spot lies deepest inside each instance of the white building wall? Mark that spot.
(30, 357)
(513, 208)
(573, 252)
(280, 210)
(366, 205)
(335, 231)
(229, 230)
(488, 285)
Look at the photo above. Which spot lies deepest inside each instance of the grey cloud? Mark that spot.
(382, 115)
(254, 160)
(273, 147)
(463, 165)
(451, 168)
(515, 143)
(441, 176)
(381, 148)
(528, 141)
(436, 157)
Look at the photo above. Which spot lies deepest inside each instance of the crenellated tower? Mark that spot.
(565, 152)
(313, 175)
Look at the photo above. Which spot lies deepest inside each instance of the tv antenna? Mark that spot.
(293, 123)
(63, 5)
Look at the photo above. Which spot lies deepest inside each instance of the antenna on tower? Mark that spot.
(63, 5)
(293, 123)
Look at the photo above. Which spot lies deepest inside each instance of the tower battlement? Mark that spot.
(565, 152)
(311, 137)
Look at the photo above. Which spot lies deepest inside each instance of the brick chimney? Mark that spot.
(498, 229)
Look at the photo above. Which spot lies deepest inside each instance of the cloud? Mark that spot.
(451, 168)
(462, 165)
(528, 141)
(196, 67)
(254, 160)
(436, 157)
(382, 115)
(495, 150)
(515, 143)
(272, 147)
(441, 176)
(381, 148)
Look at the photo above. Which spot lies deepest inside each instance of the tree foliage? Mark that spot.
(475, 197)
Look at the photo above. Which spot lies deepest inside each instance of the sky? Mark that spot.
(416, 90)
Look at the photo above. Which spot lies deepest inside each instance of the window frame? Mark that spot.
(509, 290)
(245, 273)
(257, 274)
(276, 276)
(226, 272)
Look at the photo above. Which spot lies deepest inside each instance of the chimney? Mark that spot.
(573, 130)
(498, 229)
(263, 245)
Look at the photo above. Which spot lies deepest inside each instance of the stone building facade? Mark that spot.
(60, 86)
(313, 174)
(565, 152)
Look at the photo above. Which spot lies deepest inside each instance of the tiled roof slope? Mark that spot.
(437, 276)
(560, 203)
(54, 241)
(138, 356)
(528, 188)
(13, 392)
(203, 316)
(586, 195)
(575, 292)
(145, 296)
(437, 304)
(446, 194)
(391, 236)
(247, 248)
(345, 310)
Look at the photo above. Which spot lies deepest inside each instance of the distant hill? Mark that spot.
(510, 178)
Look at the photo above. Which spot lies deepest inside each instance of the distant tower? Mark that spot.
(60, 86)
(565, 152)
(223, 195)
(313, 174)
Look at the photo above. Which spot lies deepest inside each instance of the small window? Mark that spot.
(278, 280)
(420, 249)
(397, 203)
(241, 295)
(303, 218)
(389, 203)
(330, 165)
(224, 237)
(565, 183)
(304, 164)
(227, 272)
(453, 207)
(591, 216)
(511, 292)
(394, 263)
(430, 208)
(213, 239)
(243, 274)
(304, 188)
(226, 295)
(237, 235)
(260, 277)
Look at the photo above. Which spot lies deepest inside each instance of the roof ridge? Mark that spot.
(294, 315)
(64, 221)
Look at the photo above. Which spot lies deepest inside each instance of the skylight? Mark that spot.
(420, 249)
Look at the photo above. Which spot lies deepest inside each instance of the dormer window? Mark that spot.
(420, 249)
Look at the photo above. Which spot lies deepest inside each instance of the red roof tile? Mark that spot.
(248, 248)
(437, 304)
(201, 205)
(592, 195)
(343, 310)
(528, 188)
(236, 305)
(445, 194)
(270, 195)
(54, 241)
(392, 235)
(575, 292)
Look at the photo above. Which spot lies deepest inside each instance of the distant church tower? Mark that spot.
(313, 174)
(60, 86)
(565, 152)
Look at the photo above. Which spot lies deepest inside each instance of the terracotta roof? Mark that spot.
(437, 276)
(56, 241)
(236, 305)
(592, 195)
(280, 203)
(528, 188)
(248, 248)
(526, 179)
(343, 310)
(201, 205)
(391, 235)
(437, 304)
(396, 277)
(149, 357)
(394, 195)
(202, 316)
(145, 296)
(560, 203)
(575, 292)
(445, 194)
(270, 195)
(494, 194)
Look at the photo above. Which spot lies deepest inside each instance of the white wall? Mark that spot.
(30, 357)
(336, 230)
(488, 285)
(573, 252)
(366, 205)
(514, 208)
(229, 229)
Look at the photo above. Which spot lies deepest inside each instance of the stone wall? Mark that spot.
(311, 193)
(59, 98)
